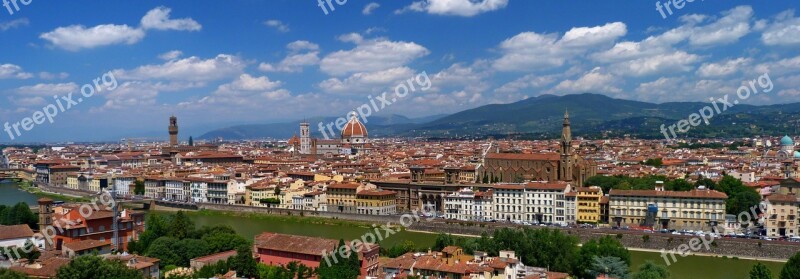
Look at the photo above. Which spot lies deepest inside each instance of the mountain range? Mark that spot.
(591, 115)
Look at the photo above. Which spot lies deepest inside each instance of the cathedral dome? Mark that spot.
(354, 128)
(786, 140)
(797, 154)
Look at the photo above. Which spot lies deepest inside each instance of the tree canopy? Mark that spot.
(95, 267)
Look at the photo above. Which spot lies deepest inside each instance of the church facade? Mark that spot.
(565, 165)
(354, 140)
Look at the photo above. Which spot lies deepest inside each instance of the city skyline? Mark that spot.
(291, 60)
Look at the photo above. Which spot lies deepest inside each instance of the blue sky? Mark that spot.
(216, 63)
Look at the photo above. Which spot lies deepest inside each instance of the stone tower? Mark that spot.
(173, 131)
(305, 138)
(567, 159)
(46, 219)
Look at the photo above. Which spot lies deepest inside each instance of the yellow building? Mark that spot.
(376, 202)
(342, 197)
(261, 191)
(72, 180)
(699, 209)
(587, 204)
(322, 178)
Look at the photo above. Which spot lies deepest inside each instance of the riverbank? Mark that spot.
(249, 225)
(27, 186)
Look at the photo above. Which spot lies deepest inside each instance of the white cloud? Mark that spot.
(76, 37)
(296, 60)
(533, 50)
(6, 25)
(530, 81)
(247, 82)
(723, 68)
(48, 89)
(278, 25)
(28, 101)
(595, 81)
(780, 67)
(674, 62)
(158, 19)
(367, 82)
(734, 24)
(784, 30)
(9, 71)
(369, 8)
(48, 75)
(187, 69)
(466, 8)
(170, 55)
(371, 56)
(141, 94)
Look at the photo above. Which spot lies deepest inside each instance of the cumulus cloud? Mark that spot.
(170, 55)
(47, 89)
(78, 37)
(529, 50)
(301, 54)
(372, 55)
(369, 8)
(465, 8)
(784, 30)
(17, 23)
(723, 68)
(278, 25)
(734, 24)
(158, 19)
(187, 69)
(594, 81)
(11, 71)
(367, 82)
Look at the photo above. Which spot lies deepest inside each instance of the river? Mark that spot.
(691, 267)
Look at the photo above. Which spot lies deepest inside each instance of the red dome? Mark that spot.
(354, 128)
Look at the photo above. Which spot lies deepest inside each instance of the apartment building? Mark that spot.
(698, 209)
(587, 201)
(376, 202)
(342, 197)
(535, 202)
(781, 215)
(469, 205)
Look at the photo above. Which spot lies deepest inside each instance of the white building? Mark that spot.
(534, 202)
(467, 205)
(198, 188)
(174, 191)
(123, 185)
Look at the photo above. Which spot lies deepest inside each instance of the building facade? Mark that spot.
(698, 209)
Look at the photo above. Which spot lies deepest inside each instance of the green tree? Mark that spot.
(181, 226)
(162, 248)
(345, 266)
(656, 162)
(760, 271)
(606, 246)
(221, 242)
(740, 197)
(10, 274)
(611, 266)
(138, 187)
(650, 270)
(95, 267)
(243, 263)
(188, 249)
(792, 268)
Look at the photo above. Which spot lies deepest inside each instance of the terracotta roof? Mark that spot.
(354, 128)
(15, 231)
(85, 245)
(531, 157)
(344, 186)
(782, 198)
(294, 243)
(214, 258)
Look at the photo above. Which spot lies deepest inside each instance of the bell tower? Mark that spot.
(173, 131)
(567, 159)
